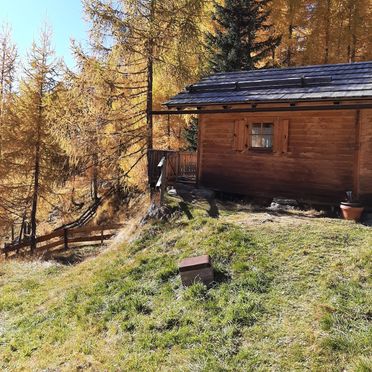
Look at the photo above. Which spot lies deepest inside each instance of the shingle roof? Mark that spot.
(340, 81)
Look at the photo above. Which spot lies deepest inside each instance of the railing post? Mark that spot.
(65, 238)
(163, 181)
(178, 165)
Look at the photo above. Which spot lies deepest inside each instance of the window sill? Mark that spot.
(260, 150)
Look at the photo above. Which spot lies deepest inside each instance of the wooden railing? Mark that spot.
(65, 238)
(179, 166)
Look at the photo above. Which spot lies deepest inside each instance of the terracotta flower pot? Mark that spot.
(351, 211)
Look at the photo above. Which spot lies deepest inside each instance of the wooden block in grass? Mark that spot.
(196, 269)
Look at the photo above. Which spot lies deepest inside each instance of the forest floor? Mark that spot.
(293, 292)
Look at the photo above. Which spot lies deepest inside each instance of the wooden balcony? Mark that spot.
(179, 166)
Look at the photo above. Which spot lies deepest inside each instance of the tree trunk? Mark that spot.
(35, 194)
(353, 47)
(327, 31)
(118, 167)
(95, 177)
(289, 50)
(150, 77)
(349, 36)
(150, 82)
(2, 98)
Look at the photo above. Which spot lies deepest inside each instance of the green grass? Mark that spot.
(294, 293)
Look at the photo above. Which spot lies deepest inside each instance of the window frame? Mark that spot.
(242, 136)
(261, 135)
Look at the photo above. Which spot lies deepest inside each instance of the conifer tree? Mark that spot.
(190, 134)
(242, 38)
(8, 58)
(142, 32)
(37, 156)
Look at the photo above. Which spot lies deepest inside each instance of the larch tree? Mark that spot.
(38, 156)
(290, 18)
(358, 27)
(323, 31)
(318, 33)
(243, 37)
(8, 58)
(142, 34)
(85, 121)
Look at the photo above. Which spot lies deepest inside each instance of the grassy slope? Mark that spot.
(294, 293)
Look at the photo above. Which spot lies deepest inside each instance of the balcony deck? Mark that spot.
(180, 166)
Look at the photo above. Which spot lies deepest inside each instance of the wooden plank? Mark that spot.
(46, 247)
(236, 136)
(11, 248)
(200, 151)
(239, 137)
(277, 140)
(87, 239)
(54, 234)
(89, 229)
(356, 165)
(285, 135)
(65, 239)
(248, 139)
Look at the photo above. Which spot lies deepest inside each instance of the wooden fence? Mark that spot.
(65, 238)
(181, 166)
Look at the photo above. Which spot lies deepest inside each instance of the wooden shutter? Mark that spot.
(247, 141)
(281, 131)
(239, 135)
(277, 132)
(285, 135)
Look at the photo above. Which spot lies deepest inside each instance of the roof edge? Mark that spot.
(330, 99)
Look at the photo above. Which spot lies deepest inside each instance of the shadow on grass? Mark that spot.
(185, 209)
(221, 276)
(213, 210)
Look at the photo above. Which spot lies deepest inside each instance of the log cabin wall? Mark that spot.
(365, 159)
(319, 160)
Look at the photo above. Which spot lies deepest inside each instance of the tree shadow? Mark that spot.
(213, 210)
(185, 209)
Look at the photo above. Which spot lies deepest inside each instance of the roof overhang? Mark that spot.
(259, 107)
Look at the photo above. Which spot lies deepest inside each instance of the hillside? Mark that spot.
(293, 293)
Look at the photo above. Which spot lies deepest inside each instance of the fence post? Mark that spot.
(163, 181)
(101, 238)
(65, 238)
(5, 251)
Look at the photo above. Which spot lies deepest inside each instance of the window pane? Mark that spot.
(256, 141)
(267, 128)
(267, 141)
(262, 135)
(256, 129)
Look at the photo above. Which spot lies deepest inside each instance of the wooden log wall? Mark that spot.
(318, 164)
(365, 160)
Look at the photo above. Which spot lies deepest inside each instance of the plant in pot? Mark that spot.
(351, 209)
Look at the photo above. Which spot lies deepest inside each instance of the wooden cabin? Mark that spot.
(303, 133)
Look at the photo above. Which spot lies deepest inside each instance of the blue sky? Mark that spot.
(26, 18)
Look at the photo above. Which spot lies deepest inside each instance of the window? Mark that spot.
(262, 136)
